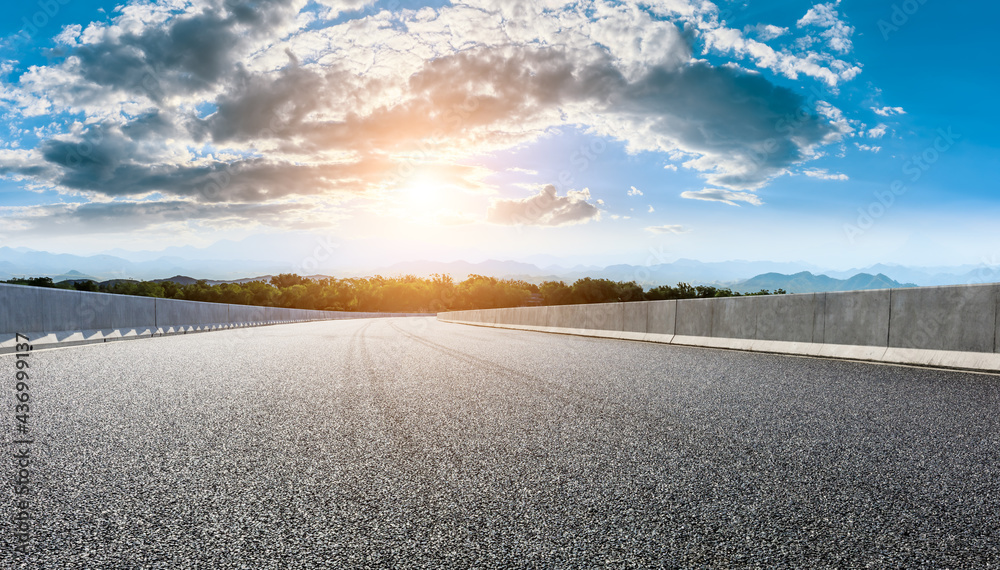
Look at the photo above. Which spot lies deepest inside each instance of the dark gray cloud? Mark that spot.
(749, 129)
(476, 96)
(190, 53)
(108, 161)
(724, 196)
(746, 129)
(150, 125)
(114, 217)
(760, 127)
(259, 106)
(544, 209)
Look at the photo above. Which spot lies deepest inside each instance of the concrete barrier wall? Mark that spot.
(177, 313)
(22, 307)
(78, 309)
(58, 316)
(274, 315)
(562, 316)
(243, 315)
(957, 326)
(791, 318)
(734, 317)
(944, 318)
(534, 317)
(694, 317)
(661, 317)
(857, 318)
(605, 316)
(129, 312)
(635, 317)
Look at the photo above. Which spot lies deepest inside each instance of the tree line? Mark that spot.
(396, 294)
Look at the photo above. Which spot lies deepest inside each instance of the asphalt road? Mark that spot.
(417, 444)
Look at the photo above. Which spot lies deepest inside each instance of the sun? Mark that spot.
(423, 195)
(424, 188)
(432, 197)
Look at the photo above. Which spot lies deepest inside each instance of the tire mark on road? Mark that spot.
(605, 436)
(597, 407)
(392, 417)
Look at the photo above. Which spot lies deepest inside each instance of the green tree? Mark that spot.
(32, 281)
(629, 291)
(86, 285)
(556, 293)
(285, 280)
(292, 297)
(589, 290)
(666, 292)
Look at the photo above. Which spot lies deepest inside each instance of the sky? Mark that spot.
(841, 133)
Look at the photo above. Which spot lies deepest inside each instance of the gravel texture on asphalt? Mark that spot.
(411, 443)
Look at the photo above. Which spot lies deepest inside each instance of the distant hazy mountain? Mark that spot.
(682, 270)
(73, 276)
(695, 272)
(928, 276)
(806, 282)
(18, 262)
(228, 267)
(725, 273)
(185, 280)
(461, 269)
(25, 262)
(178, 279)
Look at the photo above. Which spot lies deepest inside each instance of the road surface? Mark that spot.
(418, 444)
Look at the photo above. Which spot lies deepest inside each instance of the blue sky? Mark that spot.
(836, 133)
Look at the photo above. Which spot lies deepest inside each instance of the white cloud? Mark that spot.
(337, 7)
(667, 229)
(842, 124)
(766, 31)
(544, 209)
(823, 174)
(888, 111)
(867, 148)
(69, 35)
(724, 196)
(651, 210)
(877, 132)
(301, 109)
(837, 33)
(826, 68)
(523, 171)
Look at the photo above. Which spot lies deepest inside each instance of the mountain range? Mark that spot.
(802, 282)
(806, 282)
(740, 275)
